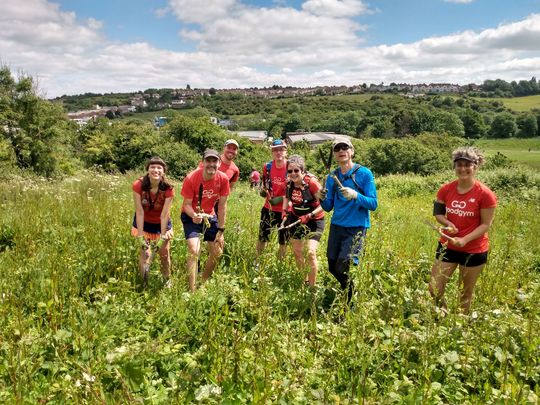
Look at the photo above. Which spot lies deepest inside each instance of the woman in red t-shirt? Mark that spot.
(300, 205)
(153, 195)
(465, 207)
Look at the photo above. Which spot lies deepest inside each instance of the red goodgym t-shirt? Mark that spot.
(213, 189)
(278, 179)
(152, 203)
(463, 210)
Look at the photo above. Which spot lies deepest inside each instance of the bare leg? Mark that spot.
(260, 247)
(282, 252)
(215, 250)
(298, 251)
(440, 274)
(194, 246)
(144, 258)
(312, 246)
(467, 280)
(164, 255)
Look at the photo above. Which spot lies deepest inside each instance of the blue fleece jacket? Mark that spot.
(351, 213)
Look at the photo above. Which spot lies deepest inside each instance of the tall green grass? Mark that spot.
(76, 328)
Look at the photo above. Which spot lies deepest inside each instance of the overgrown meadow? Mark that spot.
(75, 326)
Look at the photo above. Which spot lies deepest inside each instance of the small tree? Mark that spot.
(40, 135)
(527, 126)
(503, 126)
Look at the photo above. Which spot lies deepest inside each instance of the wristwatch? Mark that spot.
(222, 230)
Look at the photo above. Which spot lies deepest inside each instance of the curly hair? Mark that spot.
(469, 153)
(298, 161)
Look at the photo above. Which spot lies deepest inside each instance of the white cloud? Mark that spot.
(241, 46)
(202, 11)
(335, 8)
(264, 31)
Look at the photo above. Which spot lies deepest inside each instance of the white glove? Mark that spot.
(348, 193)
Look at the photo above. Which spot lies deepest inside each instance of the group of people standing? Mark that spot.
(295, 203)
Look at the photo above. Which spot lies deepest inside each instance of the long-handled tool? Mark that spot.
(328, 165)
(282, 226)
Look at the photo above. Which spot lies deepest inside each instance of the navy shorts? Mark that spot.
(192, 230)
(345, 243)
(462, 258)
(312, 230)
(270, 219)
(151, 228)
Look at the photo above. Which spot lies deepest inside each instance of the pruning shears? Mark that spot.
(440, 230)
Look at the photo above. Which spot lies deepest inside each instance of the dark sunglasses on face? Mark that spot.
(337, 148)
(293, 170)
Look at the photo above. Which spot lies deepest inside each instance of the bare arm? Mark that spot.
(139, 214)
(486, 219)
(164, 217)
(222, 212)
(187, 207)
(441, 219)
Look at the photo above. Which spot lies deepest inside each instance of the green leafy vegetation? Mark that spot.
(75, 326)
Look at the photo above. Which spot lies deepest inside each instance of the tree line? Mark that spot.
(396, 134)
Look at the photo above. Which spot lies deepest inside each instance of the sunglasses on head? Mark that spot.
(293, 170)
(341, 146)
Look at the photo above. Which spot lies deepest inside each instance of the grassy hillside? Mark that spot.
(518, 104)
(75, 327)
(525, 151)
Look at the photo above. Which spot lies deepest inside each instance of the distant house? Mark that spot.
(254, 136)
(178, 103)
(135, 102)
(313, 138)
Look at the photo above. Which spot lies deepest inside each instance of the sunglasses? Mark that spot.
(337, 148)
(293, 170)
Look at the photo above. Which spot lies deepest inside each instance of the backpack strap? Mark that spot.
(267, 179)
(351, 176)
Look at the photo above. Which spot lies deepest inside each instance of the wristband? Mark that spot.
(222, 230)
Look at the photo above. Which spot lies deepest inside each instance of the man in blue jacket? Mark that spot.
(351, 197)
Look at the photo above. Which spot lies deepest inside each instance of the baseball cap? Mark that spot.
(210, 153)
(342, 141)
(464, 157)
(231, 142)
(278, 143)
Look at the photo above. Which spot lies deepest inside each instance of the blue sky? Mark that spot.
(75, 46)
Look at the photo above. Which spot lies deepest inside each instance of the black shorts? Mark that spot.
(462, 258)
(269, 220)
(312, 230)
(149, 227)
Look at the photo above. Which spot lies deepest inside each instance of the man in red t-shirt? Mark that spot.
(227, 165)
(201, 189)
(274, 186)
